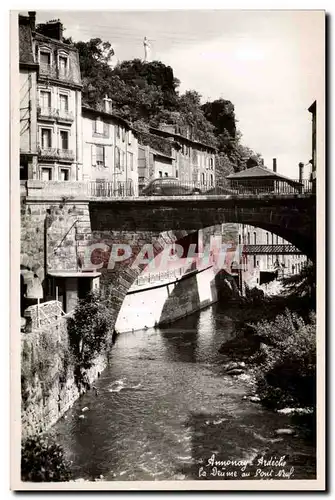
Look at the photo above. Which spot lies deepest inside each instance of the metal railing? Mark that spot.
(56, 154)
(263, 186)
(151, 278)
(111, 189)
(64, 115)
(263, 249)
(46, 112)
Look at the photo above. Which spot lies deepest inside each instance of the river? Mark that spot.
(165, 406)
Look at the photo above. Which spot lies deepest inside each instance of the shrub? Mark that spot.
(42, 460)
(89, 328)
(286, 364)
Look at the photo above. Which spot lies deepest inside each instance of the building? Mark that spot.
(312, 110)
(54, 103)
(110, 150)
(260, 178)
(28, 107)
(192, 161)
(153, 164)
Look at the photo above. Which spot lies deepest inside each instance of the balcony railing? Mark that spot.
(66, 154)
(56, 154)
(64, 116)
(167, 275)
(48, 153)
(47, 113)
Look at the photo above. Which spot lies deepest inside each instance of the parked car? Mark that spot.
(170, 186)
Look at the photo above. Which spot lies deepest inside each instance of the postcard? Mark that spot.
(168, 195)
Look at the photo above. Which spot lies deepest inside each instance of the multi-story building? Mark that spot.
(59, 104)
(193, 161)
(28, 111)
(110, 149)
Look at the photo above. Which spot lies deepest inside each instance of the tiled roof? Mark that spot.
(25, 41)
(257, 171)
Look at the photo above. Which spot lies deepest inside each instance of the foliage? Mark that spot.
(286, 363)
(302, 284)
(42, 460)
(90, 327)
(146, 94)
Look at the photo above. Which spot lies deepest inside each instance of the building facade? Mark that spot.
(110, 149)
(192, 161)
(50, 95)
(28, 70)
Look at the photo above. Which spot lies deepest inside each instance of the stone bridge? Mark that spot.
(290, 216)
(56, 231)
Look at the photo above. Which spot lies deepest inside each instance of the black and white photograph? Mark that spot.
(168, 184)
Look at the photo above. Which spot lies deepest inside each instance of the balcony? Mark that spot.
(66, 155)
(56, 154)
(49, 114)
(48, 153)
(65, 116)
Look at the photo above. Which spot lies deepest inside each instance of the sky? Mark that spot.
(268, 63)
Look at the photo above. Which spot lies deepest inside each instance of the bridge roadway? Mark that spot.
(291, 216)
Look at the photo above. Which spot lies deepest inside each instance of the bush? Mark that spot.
(90, 328)
(42, 460)
(286, 364)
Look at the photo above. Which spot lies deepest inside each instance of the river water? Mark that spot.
(165, 406)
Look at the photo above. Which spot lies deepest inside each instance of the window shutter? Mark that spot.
(94, 155)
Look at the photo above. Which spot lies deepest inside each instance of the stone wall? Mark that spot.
(48, 387)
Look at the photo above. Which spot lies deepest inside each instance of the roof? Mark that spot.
(107, 115)
(158, 131)
(25, 41)
(258, 172)
(158, 153)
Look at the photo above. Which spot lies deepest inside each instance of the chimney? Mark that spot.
(52, 29)
(108, 104)
(32, 20)
(301, 171)
(274, 164)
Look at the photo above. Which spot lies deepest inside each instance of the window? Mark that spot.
(239, 239)
(99, 126)
(123, 160)
(100, 155)
(267, 238)
(45, 99)
(62, 65)
(166, 174)
(129, 137)
(212, 180)
(64, 139)
(130, 160)
(255, 237)
(123, 135)
(254, 260)
(248, 238)
(160, 174)
(45, 58)
(46, 174)
(203, 178)
(64, 174)
(64, 102)
(272, 238)
(177, 174)
(118, 131)
(45, 138)
(117, 157)
(211, 162)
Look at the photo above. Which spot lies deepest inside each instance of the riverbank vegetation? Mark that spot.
(90, 331)
(42, 460)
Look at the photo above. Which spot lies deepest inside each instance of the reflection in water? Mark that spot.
(164, 407)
